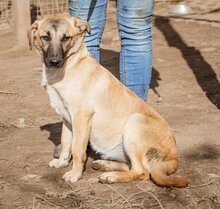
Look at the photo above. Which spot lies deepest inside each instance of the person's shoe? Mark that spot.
(57, 150)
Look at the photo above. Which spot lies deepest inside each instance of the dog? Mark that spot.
(134, 141)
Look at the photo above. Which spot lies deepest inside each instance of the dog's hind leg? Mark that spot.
(135, 151)
(107, 165)
(66, 140)
(137, 172)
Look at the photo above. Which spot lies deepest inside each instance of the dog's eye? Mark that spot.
(65, 38)
(45, 38)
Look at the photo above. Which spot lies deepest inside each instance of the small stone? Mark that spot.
(51, 194)
(213, 175)
(172, 195)
(160, 60)
(57, 195)
(30, 178)
(20, 123)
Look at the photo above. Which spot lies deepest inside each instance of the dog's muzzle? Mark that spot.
(53, 58)
(56, 63)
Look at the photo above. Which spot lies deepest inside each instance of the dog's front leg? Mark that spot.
(66, 141)
(81, 125)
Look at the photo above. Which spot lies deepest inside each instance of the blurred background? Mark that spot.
(17, 15)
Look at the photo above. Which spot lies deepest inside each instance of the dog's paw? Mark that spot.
(58, 163)
(99, 165)
(108, 178)
(71, 176)
(105, 165)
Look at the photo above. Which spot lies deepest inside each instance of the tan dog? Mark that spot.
(96, 107)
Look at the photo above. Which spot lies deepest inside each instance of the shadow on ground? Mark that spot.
(204, 152)
(203, 71)
(55, 131)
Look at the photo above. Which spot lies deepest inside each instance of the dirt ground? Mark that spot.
(185, 90)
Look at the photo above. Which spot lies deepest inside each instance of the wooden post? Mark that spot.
(22, 20)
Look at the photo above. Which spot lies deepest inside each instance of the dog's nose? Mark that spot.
(55, 62)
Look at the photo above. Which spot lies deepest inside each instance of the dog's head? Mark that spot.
(56, 36)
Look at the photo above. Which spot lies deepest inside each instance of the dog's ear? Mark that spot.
(82, 26)
(31, 32)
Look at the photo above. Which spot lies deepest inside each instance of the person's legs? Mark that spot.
(93, 11)
(135, 24)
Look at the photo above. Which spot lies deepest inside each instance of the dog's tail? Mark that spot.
(162, 179)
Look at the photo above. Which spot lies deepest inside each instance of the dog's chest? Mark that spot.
(57, 103)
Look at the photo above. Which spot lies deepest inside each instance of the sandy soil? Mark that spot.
(185, 91)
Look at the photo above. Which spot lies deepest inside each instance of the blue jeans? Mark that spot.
(134, 18)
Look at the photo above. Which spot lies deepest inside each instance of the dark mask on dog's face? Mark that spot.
(54, 36)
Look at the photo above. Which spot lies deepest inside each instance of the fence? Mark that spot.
(6, 19)
(42, 7)
(37, 8)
